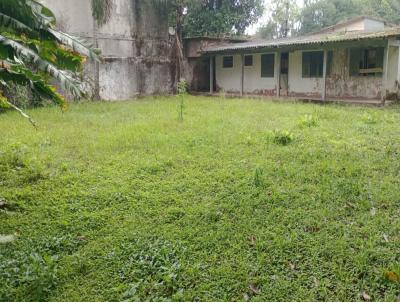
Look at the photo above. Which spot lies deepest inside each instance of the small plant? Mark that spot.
(282, 137)
(308, 121)
(182, 91)
(258, 180)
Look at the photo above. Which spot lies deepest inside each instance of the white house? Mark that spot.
(355, 60)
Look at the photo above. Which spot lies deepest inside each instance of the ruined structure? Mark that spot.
(135, 44)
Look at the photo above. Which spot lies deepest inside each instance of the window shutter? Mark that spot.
(267, 66)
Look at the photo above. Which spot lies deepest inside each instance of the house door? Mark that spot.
(284, 79)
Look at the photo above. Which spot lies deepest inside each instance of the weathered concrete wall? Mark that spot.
(299, 86)
(229, 79)
(135, 44)
(341, 85)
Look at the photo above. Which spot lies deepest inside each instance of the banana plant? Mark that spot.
(33, 52)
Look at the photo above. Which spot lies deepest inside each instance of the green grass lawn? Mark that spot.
(124, 202)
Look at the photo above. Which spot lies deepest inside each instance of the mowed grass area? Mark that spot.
(124, 202)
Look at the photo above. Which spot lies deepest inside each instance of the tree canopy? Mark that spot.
(221, 17)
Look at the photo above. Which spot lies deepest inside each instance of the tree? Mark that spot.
(221, 17)
(32, 52)
(317, 14)
(388, 10)
(283, 20)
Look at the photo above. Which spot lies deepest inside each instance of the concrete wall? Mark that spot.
(135, 44)
(366, 24)
(340, 84)
(299, 86)
(229, 79)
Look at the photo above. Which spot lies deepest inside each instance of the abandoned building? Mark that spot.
(357, 60)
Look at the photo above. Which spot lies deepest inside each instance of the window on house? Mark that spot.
(313, 64)
(267, 65)
(227, 62)
(366, 62)
(248, 60)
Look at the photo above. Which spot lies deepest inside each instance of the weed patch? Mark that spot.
(282, 137)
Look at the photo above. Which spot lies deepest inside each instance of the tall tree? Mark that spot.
(282, 21)
(317, 14)
(221, 17)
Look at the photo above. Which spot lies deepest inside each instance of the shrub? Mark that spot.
(282, 137)
(258, 180)
(308, 120)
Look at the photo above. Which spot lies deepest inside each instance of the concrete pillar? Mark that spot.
(325, 68)
(242, 77)
(211, 74)
(278, 73)
(385, 70)
(398, 66)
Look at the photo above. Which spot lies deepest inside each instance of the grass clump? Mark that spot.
(308, 121)
(282, 137)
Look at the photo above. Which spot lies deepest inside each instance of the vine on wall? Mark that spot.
(101, 11)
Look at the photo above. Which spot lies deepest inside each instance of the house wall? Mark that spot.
(135, 45)
(299, 86)
(229, 79)
(366, 24)
(339, 84)
(393, 66)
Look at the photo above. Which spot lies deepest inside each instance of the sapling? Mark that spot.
(182, 92)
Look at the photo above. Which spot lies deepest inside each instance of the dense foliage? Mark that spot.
(221, 17)
(32, 52)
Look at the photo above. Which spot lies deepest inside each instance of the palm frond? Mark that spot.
(9, 22)
(76, 44)
(28, 56)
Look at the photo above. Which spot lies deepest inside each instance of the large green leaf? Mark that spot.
(30, 57)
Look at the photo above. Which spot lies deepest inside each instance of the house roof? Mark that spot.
(312, 39)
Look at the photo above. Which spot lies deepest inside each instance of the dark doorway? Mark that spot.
(284, 79)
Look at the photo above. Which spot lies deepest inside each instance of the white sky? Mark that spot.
(253, 29)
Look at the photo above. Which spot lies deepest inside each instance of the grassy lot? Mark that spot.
(124, 202)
